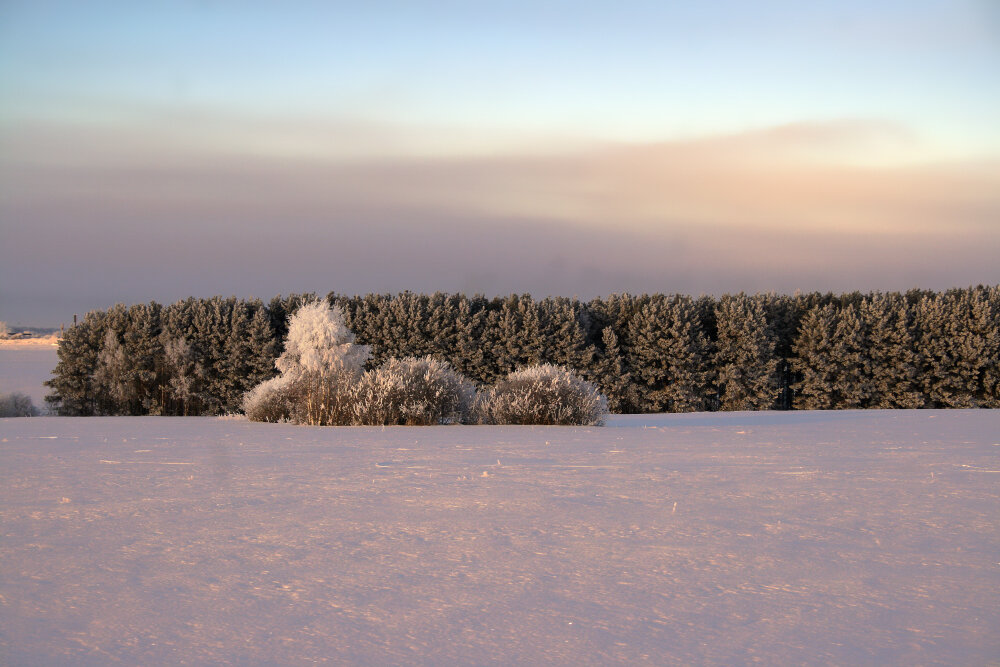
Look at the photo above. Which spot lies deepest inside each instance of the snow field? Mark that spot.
(722, 538)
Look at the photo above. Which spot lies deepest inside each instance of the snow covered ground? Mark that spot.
(24, 367)
(780, 538)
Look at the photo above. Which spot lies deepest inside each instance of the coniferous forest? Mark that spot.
(648, 353)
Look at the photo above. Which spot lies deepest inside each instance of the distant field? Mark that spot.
(852, 538)
(24, 367)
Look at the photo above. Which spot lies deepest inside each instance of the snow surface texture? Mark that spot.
(862, 538)
(24, 369)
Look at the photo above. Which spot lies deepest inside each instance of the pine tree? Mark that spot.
(891, 358)
(813, 350)
(938, 377)
(184, 376)
(72, 384)
(990, 314)
(958, 344)
(564, 342)
(670, 356)
(648, 361)
(144, 355)
(470, 356)
(113, 378)
(520, 333)
(851, 386)
(690, 374)
(612, 376)
(262, 348)
(745, 362)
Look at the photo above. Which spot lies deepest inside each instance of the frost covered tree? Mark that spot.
(813, 361)
(184, 378)
(670, 356)
(320, 365)
(144, 353)
(613, 377)
(957, 338)
(113, 377)
(852, 385)
(471, 359)
(72, 381)
(513, 335)
(832, 360)
(564, 341)
(891, 356)
(745, 362)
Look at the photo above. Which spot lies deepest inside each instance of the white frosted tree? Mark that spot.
(319, 367)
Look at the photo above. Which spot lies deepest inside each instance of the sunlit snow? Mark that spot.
(784, 538)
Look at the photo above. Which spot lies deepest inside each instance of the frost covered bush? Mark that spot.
(544, 394)
(270, 401)
(413, 392)
(319, 369)
(17, 404)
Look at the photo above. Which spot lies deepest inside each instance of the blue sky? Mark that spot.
(691, 132)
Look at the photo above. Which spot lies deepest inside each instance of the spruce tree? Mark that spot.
(850, 376)
(144, 354)
(184, 378)
(564, 342)
(73, 392)
(471, 358)
(689, 356)
(648, 360)
(891, 358)
(113, 378)
(745, 362)
(813, 360)
(670, 356)
(613, 377)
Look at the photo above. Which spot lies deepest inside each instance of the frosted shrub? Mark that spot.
(544, 394)
(270, 401)
(319, 368)
(17, 404)
(415, 392)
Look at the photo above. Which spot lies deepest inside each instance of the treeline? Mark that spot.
(648, 353)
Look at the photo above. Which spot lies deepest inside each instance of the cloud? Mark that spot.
(133, 215)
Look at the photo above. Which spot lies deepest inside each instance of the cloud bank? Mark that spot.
(95, 213)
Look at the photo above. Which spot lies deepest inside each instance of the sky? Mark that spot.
(159, 150)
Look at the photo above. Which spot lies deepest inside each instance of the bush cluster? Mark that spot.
(546, 394)
(322, 382)
(413, 392)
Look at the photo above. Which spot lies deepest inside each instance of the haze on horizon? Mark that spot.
(169, 149)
